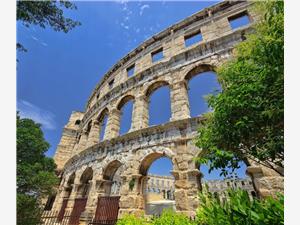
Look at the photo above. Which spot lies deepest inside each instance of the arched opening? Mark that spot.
(89, 127)
(201, 81)
(157, 183)
(112, 174)
(50, 201)
(253, 194)
(125, 106)
(159, 101)
(102, 123)
(82, 194)
(85, 183)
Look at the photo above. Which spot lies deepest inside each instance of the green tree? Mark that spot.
(247, 119)
(36, 177)
(45, 13)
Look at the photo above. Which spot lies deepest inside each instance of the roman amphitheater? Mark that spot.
(107, 177)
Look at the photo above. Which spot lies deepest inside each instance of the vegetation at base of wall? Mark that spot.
(168, 217)
(130, 219)
(238, 209)
(36, 178)
(247, 121)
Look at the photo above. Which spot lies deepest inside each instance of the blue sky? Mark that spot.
(59, 72)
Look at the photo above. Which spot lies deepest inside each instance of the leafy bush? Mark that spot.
(239, 209)
(130, 219)
(169, 217)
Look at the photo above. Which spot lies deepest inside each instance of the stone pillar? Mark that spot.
(91, 203)
(59, 197)
(82, 141)
(131, 200)
(94, 134)
(266, 181)
(140, 114)
(113, 124)
(179, 101)
(73, 196)
(186, 191)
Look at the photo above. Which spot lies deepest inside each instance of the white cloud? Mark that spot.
(142, 8)
(124, 26)
(44, 117)
(34, 38)
(122, 1)
(39, 41)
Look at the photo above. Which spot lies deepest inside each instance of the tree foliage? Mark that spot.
(247, 121)
(45, 13)
(35, 172)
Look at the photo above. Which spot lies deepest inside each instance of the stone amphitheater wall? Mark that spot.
(80, 149)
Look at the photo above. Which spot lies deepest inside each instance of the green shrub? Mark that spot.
(130, 219)
(239, 209)
(169, 217)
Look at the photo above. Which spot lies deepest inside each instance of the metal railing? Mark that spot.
(103, 222)
(52, 218)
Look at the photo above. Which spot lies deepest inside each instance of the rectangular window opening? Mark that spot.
(239, 20)
(111, 83)
(130, 71)
(192, 39)
(157, 55)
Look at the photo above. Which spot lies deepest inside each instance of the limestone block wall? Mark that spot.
(80, 149)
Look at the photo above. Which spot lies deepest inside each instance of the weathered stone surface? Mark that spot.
(181, 200)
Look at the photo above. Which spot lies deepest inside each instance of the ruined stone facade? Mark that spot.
(118, 164)
(162, 187)
(219, 187)
(159, 188)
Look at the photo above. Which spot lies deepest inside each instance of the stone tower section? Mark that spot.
(68, 140)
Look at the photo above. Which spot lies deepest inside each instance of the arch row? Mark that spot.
(112, 177)
(125, 175)
(107, 123)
